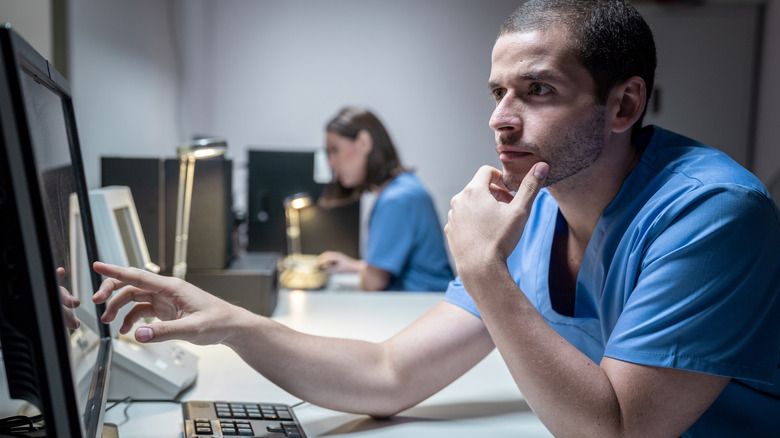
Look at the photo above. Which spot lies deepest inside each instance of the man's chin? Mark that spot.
(512, 181)
(513, 176)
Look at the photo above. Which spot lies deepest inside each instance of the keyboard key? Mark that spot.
(274, 428)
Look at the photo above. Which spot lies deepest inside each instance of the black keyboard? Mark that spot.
(207, 419)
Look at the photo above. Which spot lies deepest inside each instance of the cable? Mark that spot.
(18, 425)
(129, 401)
(117, 402)
(298, 404)
(140, 400)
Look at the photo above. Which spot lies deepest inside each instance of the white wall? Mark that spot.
(269, 73)
(148, 74)
(123, 79)
(32, 20)
(276, 70)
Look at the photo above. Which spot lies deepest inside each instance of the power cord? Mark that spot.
(298, 404)
(129, 401)
(20, 425)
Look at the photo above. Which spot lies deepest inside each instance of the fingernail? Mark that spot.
(541, 170)
(143, 334)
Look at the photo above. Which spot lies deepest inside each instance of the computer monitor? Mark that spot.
(120, 224)
(273, 176)
(61, 370)
(120, 241)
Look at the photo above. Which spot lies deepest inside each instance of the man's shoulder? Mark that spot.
(684, 159)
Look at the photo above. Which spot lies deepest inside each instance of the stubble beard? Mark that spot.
(568, 153)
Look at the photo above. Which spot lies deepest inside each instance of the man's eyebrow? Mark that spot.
(534, 76)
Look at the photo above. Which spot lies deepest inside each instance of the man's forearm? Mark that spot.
(566, 389)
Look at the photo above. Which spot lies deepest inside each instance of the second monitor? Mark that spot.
(273, 176)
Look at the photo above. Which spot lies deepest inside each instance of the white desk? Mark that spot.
(484, 402)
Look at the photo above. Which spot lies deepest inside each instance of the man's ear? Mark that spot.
(365, 141)
(626, 103)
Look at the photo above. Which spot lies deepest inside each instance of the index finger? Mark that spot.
(130, 276)
(487, 175)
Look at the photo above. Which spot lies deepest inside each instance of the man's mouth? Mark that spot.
(509, 153)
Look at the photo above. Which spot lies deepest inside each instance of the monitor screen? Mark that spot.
(52, 360)
(129, 237)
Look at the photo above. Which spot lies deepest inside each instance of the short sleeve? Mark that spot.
(707, 296)
(391, 234)
(456, 294)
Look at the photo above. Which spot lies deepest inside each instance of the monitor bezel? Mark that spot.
(55, 386)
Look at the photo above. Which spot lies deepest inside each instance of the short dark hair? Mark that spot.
(610, 37)
(383, 161)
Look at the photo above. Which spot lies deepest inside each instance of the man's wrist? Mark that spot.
(484, 276)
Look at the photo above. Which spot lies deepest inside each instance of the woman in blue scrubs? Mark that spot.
(405, 245)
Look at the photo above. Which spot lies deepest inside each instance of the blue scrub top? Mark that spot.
(406, 239)
(682, 271)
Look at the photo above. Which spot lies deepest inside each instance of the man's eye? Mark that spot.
(539, 89)
(498, 93)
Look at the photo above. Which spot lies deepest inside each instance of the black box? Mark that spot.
(154, 184)
(251, 281)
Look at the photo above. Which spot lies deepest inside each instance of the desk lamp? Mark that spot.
(292, 206)
(300, 271)
(189, 153)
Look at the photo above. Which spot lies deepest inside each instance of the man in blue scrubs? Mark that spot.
(629, 277)
(638, 292)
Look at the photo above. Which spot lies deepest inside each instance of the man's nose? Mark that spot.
(506, 116)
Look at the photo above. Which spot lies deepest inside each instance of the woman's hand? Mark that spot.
(336, 262)
(186, 312)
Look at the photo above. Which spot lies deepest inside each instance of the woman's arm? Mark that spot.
(371, 277)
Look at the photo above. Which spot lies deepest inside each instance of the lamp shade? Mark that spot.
(298, 201)
(203, 148)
